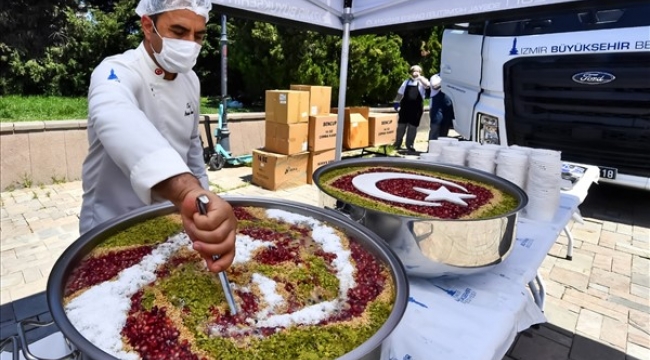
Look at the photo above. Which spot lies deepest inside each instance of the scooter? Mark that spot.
(216, 156)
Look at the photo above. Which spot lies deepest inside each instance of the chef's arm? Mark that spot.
(424, 81)
(176, 188)
(127, 135)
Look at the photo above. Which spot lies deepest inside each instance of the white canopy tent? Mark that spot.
(362, 16)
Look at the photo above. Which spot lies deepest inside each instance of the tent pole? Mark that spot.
(346, 19)
(225, 132)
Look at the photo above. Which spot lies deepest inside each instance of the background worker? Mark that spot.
(409, 103)
(441, 110)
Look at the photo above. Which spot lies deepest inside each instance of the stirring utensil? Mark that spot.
(202, 202)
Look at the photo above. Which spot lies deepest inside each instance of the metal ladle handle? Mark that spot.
(202, 202)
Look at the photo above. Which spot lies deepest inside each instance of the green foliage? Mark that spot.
(27, 108)
(63, 67)
(58, 59)
(15, 108)
(376, 69)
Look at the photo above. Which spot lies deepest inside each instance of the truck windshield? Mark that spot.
(618, 15)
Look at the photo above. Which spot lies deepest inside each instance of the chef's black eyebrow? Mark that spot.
(184, 29)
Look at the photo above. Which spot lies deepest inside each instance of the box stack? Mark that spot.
(283, 162)
(322, 127)
(382, 128)
(356, 128)
(300, 136)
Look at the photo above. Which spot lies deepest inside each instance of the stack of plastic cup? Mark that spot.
(512, 166)
(543, 185)
(551, 154)
(493, 146)
(454, 155)
(430, 157)
(522, 149)
(467, 144)
(448, 139)
(482, 158)
(435, 146)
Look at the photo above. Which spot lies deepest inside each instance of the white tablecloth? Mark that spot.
(478, 316)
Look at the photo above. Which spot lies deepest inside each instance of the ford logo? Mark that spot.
(593, 78)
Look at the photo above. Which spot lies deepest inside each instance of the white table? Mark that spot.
(478, 317)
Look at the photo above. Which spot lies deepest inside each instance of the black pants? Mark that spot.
(411, 132)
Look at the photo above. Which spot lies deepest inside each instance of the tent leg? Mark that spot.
(343, 81)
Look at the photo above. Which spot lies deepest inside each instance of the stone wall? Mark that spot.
(45, 152)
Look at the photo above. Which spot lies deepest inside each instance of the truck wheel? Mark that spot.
(217, 162)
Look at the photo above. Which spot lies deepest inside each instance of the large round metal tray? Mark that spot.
(86, 243)
(435, 247)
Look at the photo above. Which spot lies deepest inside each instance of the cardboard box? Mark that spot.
(286, 139)
(318, 159)
(382, 128)
(273, 171)
(320, 98)
(355, 135)
(287, 106)
(322, 132)
(363, 110)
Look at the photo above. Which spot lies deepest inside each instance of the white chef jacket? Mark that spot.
(411, 82)
(142, 129)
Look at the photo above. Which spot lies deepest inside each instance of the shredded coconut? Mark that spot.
(267, 288)
(245, 246)
(306, 316)
(100, 313)
(327, 238)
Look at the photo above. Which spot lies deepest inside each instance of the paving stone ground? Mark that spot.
(597, 306)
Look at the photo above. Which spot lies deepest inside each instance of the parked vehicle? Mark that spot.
(574, 81)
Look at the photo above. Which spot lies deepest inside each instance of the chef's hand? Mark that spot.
(212, 233)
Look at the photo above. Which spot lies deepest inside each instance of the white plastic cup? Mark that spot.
(448, 139)
(481, 158)
(435, 146)
(467, 144)
(512, 166)
(454, 155)
(430, 157)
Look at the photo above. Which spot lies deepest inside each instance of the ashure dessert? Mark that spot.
(304, 290)
(416, 192)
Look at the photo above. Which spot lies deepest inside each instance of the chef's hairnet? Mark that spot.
(152, 7)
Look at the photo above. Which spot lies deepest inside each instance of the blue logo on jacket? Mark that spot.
(112, 76)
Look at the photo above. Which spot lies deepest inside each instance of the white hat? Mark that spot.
(152, 7)
(436, 80)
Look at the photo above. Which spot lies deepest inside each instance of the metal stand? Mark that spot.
(365, 152)
(538, 289)
(569, 250)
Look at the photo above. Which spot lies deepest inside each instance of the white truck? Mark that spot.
(577, 81)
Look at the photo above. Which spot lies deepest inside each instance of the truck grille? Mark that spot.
(605, 125)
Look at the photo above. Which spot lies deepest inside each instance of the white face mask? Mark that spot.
(176, 56)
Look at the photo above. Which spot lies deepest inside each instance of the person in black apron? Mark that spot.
(409, 102)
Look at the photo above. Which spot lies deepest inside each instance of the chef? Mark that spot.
(408, 103)
(144, 145)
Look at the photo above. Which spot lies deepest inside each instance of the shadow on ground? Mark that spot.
(619, 204)
(549, 342)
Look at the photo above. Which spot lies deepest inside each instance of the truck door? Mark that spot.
(460, 70)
